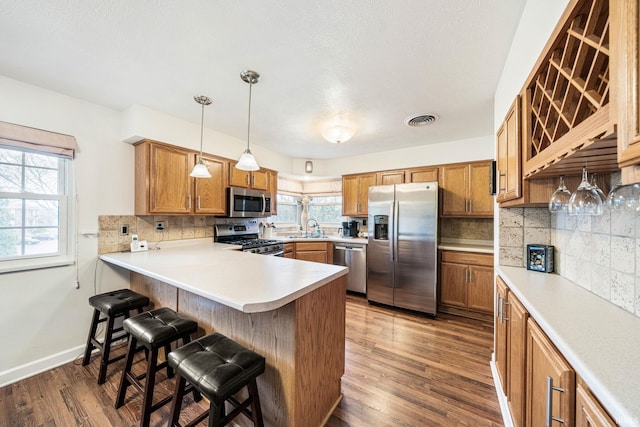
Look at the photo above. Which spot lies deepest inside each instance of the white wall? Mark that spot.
(44, 318)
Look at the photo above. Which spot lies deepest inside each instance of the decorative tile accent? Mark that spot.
(601, 281)
(537, 218)
(510, 237)
(623, 290)
(623, 254)
(513, 217)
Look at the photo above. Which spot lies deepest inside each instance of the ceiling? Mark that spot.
(371, 64)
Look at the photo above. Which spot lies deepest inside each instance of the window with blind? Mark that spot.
(34, 201)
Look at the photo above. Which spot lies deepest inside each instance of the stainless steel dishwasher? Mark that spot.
(354, 256)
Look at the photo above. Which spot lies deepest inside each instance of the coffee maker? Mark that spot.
(350, 228)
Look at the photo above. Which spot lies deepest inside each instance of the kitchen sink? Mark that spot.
(302, 236)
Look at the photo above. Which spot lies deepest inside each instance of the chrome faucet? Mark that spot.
(306, 226)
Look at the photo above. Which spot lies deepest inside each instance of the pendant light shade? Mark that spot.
(247, 161)
(200, 169)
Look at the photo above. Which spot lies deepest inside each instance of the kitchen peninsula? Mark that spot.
(290, 311)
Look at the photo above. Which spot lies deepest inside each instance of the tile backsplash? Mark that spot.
(466, 228)
(176, 228)
(599, 253)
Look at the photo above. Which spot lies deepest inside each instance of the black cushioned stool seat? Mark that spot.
(110, 306)
(217, 367)
(151, 331)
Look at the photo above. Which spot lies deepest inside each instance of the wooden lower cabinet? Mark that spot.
(510, 349)
(314, 251)
(550, 381)
(289, 250)
(517, 345)
(466, 283)
(589, 412)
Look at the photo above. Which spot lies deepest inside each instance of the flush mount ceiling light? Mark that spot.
(337, 134)
(200, 169)
(421, 120)
(247, 162)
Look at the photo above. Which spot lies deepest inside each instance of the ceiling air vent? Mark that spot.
(421, 120)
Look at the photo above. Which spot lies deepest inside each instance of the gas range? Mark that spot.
(245, 233)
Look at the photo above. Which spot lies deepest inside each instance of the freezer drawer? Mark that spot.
(353, 256)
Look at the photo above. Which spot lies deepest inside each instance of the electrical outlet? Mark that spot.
(160, 226)
(124, 229)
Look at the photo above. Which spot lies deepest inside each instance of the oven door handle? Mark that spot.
(279, 253)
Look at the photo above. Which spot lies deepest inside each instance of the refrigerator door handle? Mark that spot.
(396, 229)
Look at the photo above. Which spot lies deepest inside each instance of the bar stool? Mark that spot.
(153, 330)
(112, 305)
(217, 367)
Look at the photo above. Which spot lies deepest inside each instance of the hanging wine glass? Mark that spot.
(560, 198)
(625, 197)
(585, 200)
(594, 184)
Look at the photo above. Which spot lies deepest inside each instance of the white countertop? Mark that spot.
(247, 282)
(600, 340)
(464, 245)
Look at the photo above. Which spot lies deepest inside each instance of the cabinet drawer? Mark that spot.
(311, 246)
(467, 258)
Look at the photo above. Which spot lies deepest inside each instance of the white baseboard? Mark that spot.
(502, 399)
(32, 368)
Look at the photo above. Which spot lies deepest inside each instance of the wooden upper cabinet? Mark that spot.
(509, 172)
(465, 190)
(210, 193)
(550, 381)
(273, 189)
(162, 181)
(355, 193)
(422, 175)
(626, 70)
(390, 177)
(258, 180)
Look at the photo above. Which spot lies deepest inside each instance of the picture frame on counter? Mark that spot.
(540, 258)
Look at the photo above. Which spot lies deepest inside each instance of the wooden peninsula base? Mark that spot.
(303, 343)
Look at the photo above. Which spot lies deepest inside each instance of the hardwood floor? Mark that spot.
(402, 369)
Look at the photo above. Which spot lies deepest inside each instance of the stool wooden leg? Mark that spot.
(92, 332)
(124, 380)
(216, 414)
(148, 388)
(106, 350)
(256, 411)
(167, 350)
(176, 403)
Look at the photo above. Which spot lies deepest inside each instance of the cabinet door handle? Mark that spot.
(470, 275)
(466, 275)
(500, 188)
(550, 389)
(198, 202)
(500, 308)
(248, 182)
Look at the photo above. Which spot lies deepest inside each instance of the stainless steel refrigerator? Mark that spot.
(402, 246)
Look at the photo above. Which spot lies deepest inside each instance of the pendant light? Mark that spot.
(247, 162)
(200, 169)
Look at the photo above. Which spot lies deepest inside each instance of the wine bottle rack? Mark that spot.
(569, 88)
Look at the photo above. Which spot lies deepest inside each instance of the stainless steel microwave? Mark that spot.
(246, 203)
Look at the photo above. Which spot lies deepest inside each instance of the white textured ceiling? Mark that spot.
(373, 63)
